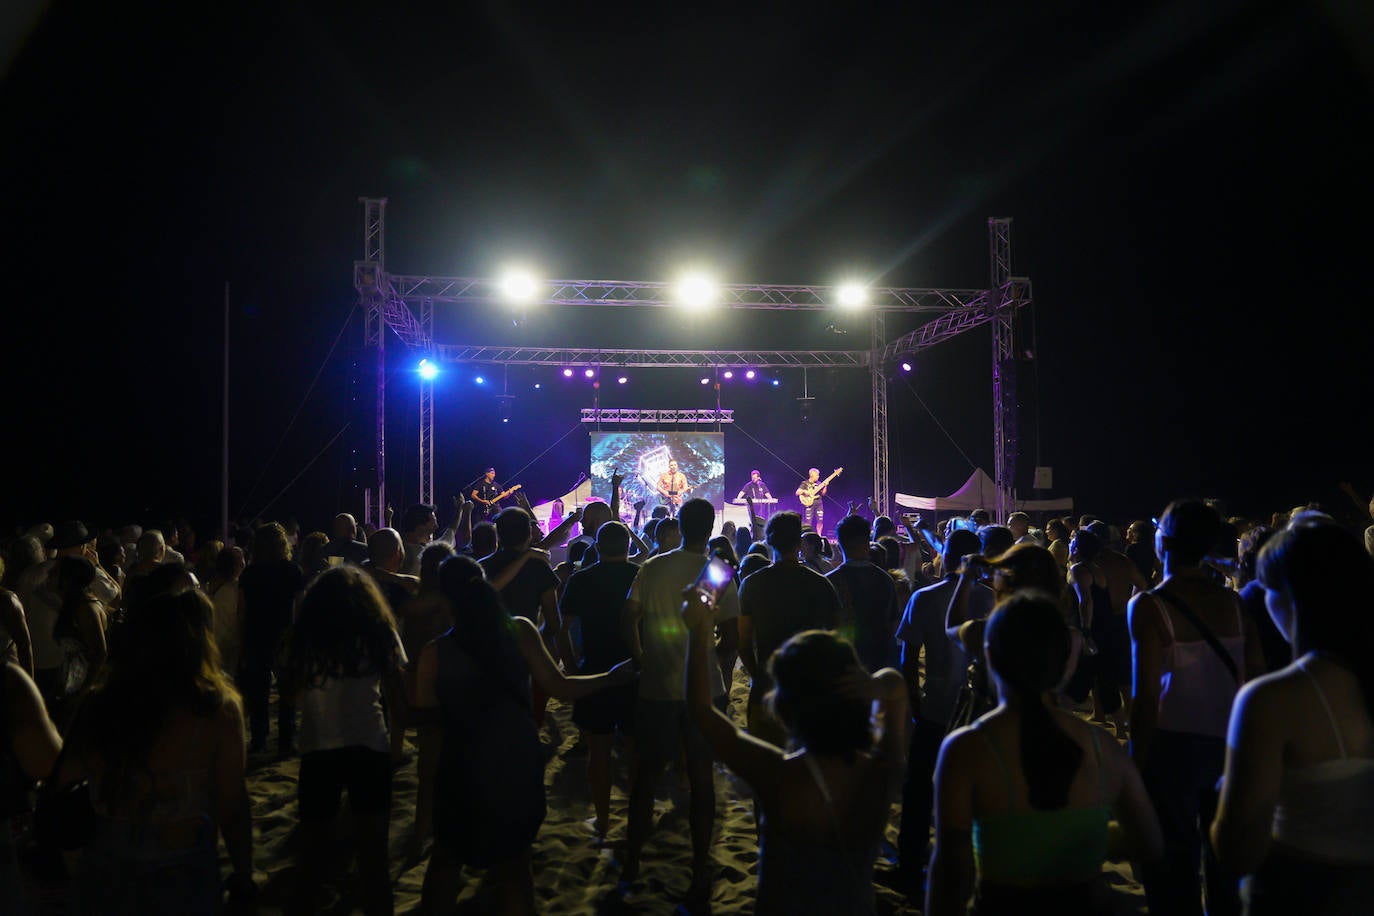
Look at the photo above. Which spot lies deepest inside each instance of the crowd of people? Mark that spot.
(1191, 695)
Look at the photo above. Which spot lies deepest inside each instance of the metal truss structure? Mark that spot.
(698, 416)
(405, 304)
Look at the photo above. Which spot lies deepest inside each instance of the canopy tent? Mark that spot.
(979, 492)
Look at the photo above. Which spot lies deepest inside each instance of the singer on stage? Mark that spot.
(672, 486)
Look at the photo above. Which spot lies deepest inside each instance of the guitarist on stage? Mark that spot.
(672, 486)
(488, 493)
(811, 494)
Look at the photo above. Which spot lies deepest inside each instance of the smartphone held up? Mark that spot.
(713, 579)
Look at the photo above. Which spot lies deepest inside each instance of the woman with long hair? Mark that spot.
(1023, 796)
(342, 653)
(1297, 796)
(823, 804)
(475, 680)
(160, 738)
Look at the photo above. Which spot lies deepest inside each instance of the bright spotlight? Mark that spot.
(428, 370)
(906, 367)
(567, 373)
(852, 295)
(728, 374)
(537, 386)
(622, 380)
(480, 380)
(589, 372)
(519, 286)
(697, 291)
(777, 382)
(749, 374)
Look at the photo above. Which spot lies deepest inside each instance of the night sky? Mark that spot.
(1189, 182)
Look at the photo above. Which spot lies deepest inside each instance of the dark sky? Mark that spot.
(1190, 186)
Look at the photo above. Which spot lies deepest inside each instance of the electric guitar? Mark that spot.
(808, 496)
(489, 506)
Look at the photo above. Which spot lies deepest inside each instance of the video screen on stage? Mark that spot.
(643, 457)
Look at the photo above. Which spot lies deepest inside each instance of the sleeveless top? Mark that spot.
(811, 875)
(1326, 809)
(1196, 689)
(1035, 848)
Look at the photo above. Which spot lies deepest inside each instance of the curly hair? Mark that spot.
(344, 629)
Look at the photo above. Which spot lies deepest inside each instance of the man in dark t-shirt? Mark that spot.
(775, 603)
(532, 593)
(595, 596)
(868, 598)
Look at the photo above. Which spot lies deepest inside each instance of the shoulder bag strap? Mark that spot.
(1191, 616)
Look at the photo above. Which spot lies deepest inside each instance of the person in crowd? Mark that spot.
(1019, 523)
(1140, 550)
(203, 563)
(922, 631)
(342, 649)
(869, 612)
(532, 592)
(996, 540)
(721, 546)
(483, 543)
(775, 603)
(658, 640)
(222, 588)
(160, 738)
(667, 535)
(418, 525)
(311, 554)
(110, 557)
(80, 633)
(1058, 534)
(593, 598)
(564, 570)
(1274, 647)
(1297, 796)
(1104, 667)
(38, 594)
(475, 680)
(268, 590)
(22, 554)
(757, 557)
(29, 746)
(1024, 794)
(1192, 651)
(744, 539)
(812, 553)
(427, 617)
(823, 803)
(152, 553)
(15, 643)
(344, 543)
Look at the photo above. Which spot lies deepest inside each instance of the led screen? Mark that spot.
(643, 456)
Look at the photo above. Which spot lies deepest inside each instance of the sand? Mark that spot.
(571, 874)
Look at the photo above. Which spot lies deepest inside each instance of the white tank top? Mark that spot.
(1196, 689)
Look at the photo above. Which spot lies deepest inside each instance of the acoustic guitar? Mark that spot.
(808, 497)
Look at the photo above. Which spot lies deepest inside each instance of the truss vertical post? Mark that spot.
(427, 413)
(879, 382)
(370, 280)
(1003, 361)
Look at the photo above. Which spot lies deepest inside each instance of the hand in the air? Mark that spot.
(617, 478)
(698, 608)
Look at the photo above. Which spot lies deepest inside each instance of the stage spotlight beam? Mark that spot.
(519, 286)
(851, 295)
(697, 291)
(428, 370)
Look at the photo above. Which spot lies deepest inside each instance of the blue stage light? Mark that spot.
(428, 370)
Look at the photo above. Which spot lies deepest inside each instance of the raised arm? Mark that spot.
(616, 480)
(560, 534)
(553, 681)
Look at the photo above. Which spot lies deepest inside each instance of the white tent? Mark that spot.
(979, 492)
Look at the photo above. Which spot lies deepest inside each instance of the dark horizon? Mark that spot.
(1186, 188)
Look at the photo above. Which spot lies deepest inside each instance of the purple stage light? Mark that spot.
(567, 373)
(706, 381)
(589, 372)
(906, 367)
(729, 374)
(749, 374)
(622, 380)
(537, 386)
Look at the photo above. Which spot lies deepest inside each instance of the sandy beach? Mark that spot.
(571, 875)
